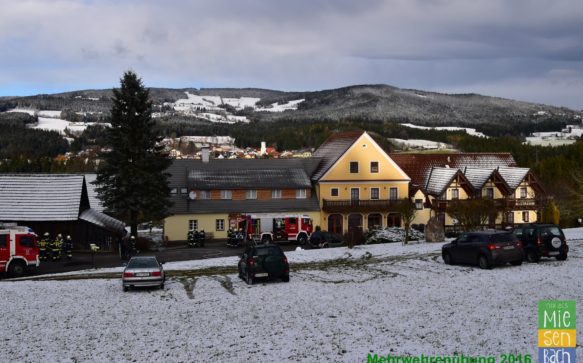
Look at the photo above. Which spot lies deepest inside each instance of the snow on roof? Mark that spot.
(418, 166)
(40, 197)
(439, 179)
(478, 177)
(513, 176)
(332, 149)
(94, 200)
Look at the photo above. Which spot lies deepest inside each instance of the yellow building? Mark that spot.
(358, 184)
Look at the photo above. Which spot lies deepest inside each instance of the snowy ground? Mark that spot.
(340, 305)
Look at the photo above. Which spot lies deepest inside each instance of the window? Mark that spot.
(374, 193)
(226, 194)
(374, 166)
(3, 240)
(418, 204)
(173, 191)
(354, 194)
(510, 217)
(205, 194)
(276, 194)
(183, 190)
(354, 167)
(393, 193)
(523, 192)
(334, 192)
(455, 194)
(26, 241)
(301, 194)
(193, 225)
(490, 193)
(220, 225)
(251, 194)
(525, 216)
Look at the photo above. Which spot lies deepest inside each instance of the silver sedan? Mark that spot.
(142, 272)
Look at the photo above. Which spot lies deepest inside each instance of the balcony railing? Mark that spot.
(503, 204)
(346, 206)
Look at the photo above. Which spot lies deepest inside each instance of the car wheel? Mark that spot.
(249, 279)
(325, 245)
(302, 240)
(483, 263)
(162, 286)
(285, 278)
(241, 274)
(516, 263)
(532, 256)
(562, 257)
(16, 269)
(447, 259)
(125, 288)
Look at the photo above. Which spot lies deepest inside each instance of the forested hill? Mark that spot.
(362, 102)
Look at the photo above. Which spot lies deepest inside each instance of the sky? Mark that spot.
(529, 50)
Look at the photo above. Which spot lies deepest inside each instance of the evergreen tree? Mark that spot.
(131, 180)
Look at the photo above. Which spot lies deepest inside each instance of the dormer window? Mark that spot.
(354, 167)
(374, 167)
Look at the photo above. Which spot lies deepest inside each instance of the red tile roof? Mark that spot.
(418, 166)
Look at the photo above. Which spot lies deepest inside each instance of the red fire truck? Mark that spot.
(18, 250)
(275, 228)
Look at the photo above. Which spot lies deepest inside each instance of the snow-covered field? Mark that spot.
(469, 131)
(339, 306)
(421, 144)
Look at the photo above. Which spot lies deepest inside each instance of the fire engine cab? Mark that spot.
(276, 228)
(18, 250)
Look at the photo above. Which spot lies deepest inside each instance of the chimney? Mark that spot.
(205, 154)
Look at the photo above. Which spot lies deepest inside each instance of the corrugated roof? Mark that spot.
(180, 169)
(40, 197)
(332, 149)
(182, 205)
(248, 179)
(513, 176)
(94, 200)
(104, 221)
(439, 179)
(418, 166)
(478, 177)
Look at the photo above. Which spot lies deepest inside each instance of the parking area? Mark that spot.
(85, 260)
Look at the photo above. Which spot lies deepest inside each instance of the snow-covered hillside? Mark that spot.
(340, 304)
(50, 120)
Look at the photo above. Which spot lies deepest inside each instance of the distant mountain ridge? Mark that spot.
(360, 102)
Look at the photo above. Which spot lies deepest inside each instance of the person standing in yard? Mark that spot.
(68, 247)
(43, 244)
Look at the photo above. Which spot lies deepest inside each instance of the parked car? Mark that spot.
(142, 272)
(486, 249)
(263, 261)
(322, 239)
(542, 240)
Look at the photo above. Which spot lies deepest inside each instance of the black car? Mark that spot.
(263, 261)
(542, 240)
(485, 249)
(322, 239)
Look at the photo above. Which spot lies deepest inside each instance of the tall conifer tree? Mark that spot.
(132, 181)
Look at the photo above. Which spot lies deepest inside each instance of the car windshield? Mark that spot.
(274, 251)
(503, 238)
(143, 263)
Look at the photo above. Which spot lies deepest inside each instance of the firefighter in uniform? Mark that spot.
(56, 248)
(190, 238)
(68, 247)
(132, 251)
(43, 244)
